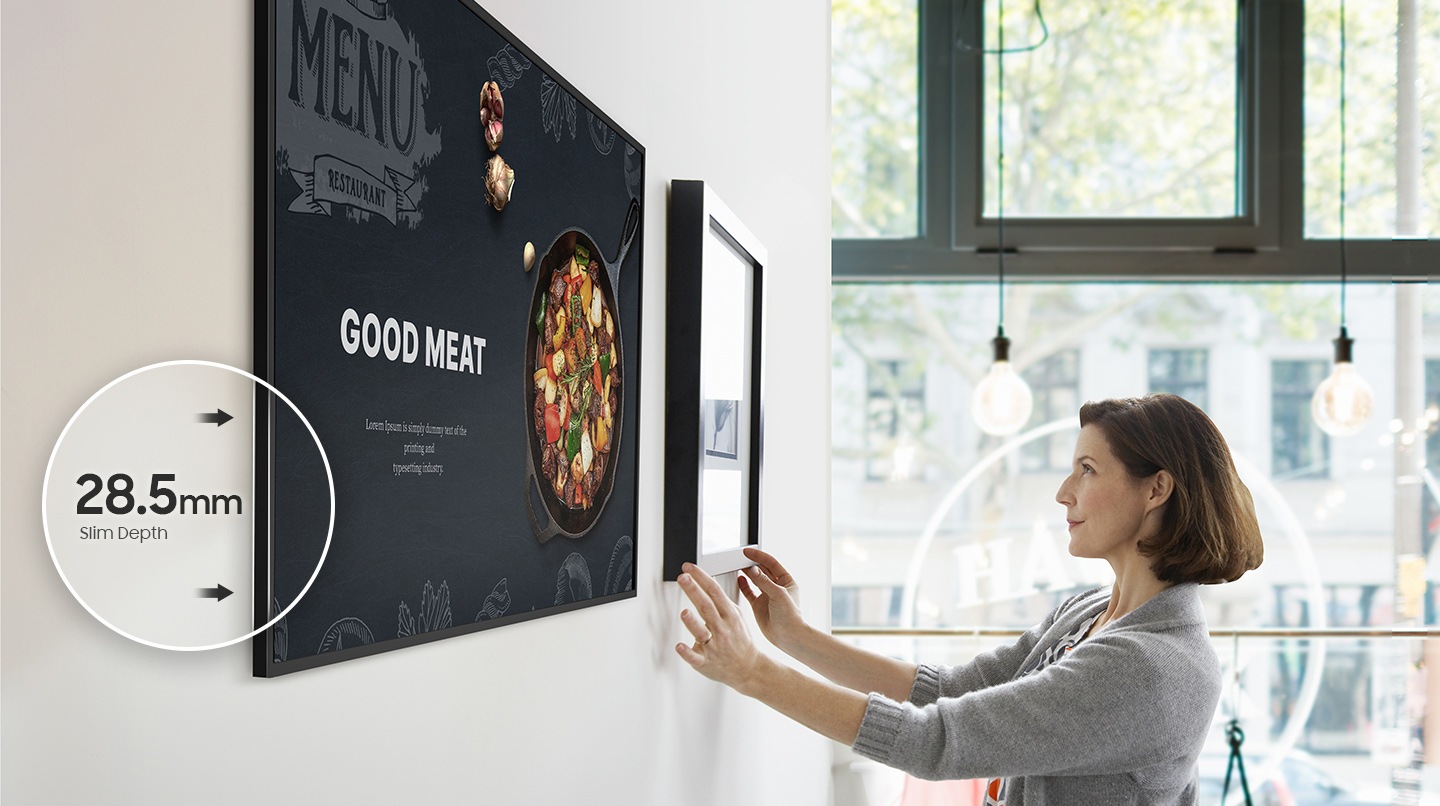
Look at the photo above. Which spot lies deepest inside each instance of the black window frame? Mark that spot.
(1265, 242)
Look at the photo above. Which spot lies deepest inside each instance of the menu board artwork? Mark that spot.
(448, 288)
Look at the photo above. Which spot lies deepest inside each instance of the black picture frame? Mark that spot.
(714, 390)
(597, 131)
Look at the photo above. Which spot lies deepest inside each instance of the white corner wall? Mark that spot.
(126, 148)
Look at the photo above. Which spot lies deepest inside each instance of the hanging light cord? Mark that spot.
(1044, 37)
(1000, 145)
(1343, 271)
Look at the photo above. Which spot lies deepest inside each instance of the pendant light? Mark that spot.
(1343, 402)
(1002, 402)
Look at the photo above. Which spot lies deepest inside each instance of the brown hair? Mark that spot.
(1208, 532)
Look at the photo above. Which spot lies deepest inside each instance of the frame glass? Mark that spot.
(714, 388)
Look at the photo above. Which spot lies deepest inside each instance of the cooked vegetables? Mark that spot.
(576, 380)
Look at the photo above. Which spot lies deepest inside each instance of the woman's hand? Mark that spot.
(723, 650)
(774, 596)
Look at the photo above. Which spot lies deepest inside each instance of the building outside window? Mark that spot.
(895, 413)
(1182, 372)
(1298, 448)
(1432, 413)
(1055, 383)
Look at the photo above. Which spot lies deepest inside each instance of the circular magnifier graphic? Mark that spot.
(151, 511)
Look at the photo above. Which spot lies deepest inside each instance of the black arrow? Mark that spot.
(219, 418)
(217, 593)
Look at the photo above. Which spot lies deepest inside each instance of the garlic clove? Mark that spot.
(491, 100)
(499, 182)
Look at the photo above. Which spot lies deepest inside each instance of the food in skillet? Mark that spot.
(577, 378)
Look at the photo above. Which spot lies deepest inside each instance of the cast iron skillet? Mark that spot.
(564, 521)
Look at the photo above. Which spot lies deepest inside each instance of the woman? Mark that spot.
(1107, 701)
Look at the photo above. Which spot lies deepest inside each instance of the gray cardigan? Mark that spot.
(1119, 719)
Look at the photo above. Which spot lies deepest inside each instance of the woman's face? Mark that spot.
(1104, 506)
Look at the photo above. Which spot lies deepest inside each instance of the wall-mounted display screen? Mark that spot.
(448, 286)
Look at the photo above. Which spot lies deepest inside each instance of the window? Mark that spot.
(1055, 383)
(979, 543)
(1432, 413)
(1392, 138)
(1144, 246)
(1093, 128)
(1182, 372)
(1121, 160)
(874, 113)
(861, 604)
(1299, 448)
(895, 411)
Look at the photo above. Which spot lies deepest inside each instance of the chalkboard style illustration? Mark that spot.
(600, 134)
(391, 310)
(496, 604)
(281, 642)
(506, 66)
(572, 584)
(557, 106)
(346, 633)
(434, 612)
(634, 171)
(621, 576)
(374, 9)
(351, 92)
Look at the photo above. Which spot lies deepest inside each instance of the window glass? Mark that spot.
(1127, 111)
(1055, 383)
(1298, 448)
(1182, 372)
(1388, 192)
(978, 541)
(977, 538)
(874, 119)
(895, 412)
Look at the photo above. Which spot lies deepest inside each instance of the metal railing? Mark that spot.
(1246, 632)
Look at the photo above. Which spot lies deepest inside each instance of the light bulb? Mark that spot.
(1342, 402)
(1002, 401)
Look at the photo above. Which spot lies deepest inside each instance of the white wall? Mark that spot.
(127, 240)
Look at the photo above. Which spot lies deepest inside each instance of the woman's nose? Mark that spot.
(1062, 495)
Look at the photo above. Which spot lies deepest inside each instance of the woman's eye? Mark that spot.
(1087, 468)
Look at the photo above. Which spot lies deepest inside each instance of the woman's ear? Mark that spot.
(1162, 485)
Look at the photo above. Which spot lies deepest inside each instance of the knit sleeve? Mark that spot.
(1116, 703)
(984, 670)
